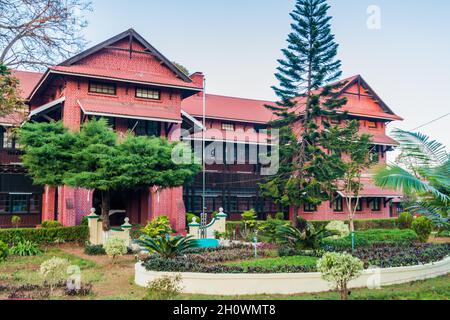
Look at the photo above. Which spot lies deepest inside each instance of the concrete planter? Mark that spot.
(290, 283)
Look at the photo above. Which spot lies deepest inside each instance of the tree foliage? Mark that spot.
(95, 158)
(422, 172)
(10, 99)
(37, 33)
(307, 92)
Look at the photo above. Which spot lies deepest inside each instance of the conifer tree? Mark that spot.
(308, 99)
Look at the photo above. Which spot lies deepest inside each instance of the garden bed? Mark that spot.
(285, 283)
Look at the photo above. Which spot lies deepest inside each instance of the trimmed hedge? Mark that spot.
(373, 237)
(359, 224)
(78, 234)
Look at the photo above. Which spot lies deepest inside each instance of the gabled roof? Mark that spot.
(130, 34)
(356, 105)
(229, 108)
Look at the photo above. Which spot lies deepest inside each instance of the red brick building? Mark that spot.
(129, 82)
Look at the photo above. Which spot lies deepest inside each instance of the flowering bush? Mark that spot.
(339, 269)
(115, 246)
(340, 228)
(164, 288)
(53, 271)
(160, 226)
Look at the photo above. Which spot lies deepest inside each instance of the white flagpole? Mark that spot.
(204, 216)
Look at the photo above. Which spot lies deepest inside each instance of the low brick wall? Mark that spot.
(290, 283)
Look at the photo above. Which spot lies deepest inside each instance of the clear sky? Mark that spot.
(236, 44)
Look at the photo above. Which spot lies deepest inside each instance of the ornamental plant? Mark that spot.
(159, 226)
(405, 220)
(51, 224)
(167, 246)
(15, 221)
(340, 229)
(423, 227)
(54, 271)
(164, 288)
(25, 248)
(4, 251)
(114, 247)
(339, 269)
(249, 218)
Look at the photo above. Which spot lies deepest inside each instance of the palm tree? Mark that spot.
(422, 171)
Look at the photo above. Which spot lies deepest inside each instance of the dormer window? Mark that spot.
(146, 93)
(102, 88)
(228, 126)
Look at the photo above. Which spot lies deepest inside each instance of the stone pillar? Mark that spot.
(126, 227)
(95, 228)
(194, 229)
(221, 221)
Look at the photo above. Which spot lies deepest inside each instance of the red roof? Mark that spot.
(28, 80)
(129, 110)
(13, 119)
(229, 108)
(130, 75)
(370, 190)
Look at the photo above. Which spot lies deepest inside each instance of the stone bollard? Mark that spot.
(194, 228)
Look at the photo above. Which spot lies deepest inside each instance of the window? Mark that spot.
(10, 140)
(146, 93)
(376, 204)
(335, 120)
(372, 124)
(338, 204)
(145, 128)
(374, 154)
(20, 203)
(103, 88)
(359, 208)
(308, 207)
(228, 126)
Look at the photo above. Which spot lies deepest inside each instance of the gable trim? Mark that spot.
(132, 34)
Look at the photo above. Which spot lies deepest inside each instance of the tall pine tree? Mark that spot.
(308, 99)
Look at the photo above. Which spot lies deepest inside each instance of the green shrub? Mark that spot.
(249, 218)
(15, 221)
(269, 229)
(51, 224)
(405, 220)
(25, 248)
(115, 246)
(164, 288)
(167, 246)
(94, 250)
(78, 234)
(340, 228)
(279, 216)
(160, 226)
(339, 269)
(4, 251)
(375, 224)
(422, 226)
(372, 237)
(54, 271)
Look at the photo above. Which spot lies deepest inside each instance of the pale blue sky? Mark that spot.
(236, 44)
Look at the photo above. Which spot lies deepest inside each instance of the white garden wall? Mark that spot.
(290, 283)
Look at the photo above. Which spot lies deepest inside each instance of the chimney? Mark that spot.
(197, 78)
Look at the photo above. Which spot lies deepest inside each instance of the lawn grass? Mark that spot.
(431, 289)
(274, 262)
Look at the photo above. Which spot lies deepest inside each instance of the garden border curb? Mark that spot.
(289, 283)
